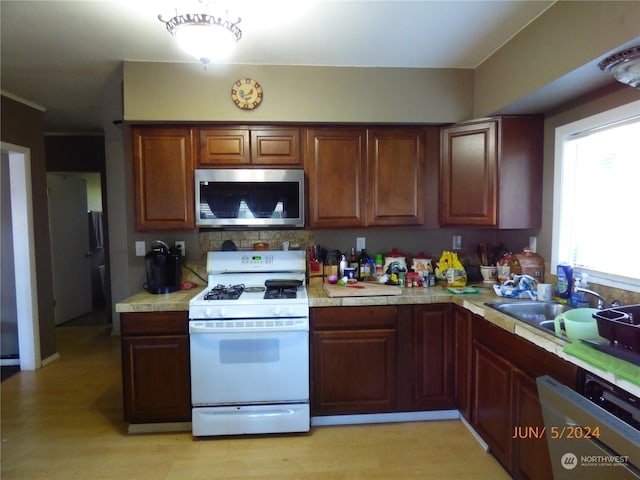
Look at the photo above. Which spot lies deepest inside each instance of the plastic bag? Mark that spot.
(522, 286)
(451, 270)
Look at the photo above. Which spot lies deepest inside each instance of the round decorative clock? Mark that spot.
(246, 94)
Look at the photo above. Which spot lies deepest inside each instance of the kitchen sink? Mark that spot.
(538, 314)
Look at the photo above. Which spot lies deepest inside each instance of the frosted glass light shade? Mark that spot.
(624, 66)
(205, 42)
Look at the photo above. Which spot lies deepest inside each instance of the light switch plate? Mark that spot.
(533, 244)
(179, 245)
(360, 243)
(457, 242)
(141, 249)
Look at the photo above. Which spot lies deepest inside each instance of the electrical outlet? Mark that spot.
(141, 248)
(360, 244)
(533, 244)
(179, 246)
(457, 242)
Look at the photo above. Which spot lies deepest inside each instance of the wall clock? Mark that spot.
(246, 94)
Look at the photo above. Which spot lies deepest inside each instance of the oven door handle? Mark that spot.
(217, 330)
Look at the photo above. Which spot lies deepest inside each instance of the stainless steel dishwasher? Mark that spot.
(592, 433)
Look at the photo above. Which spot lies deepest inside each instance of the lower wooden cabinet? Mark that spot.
(433, 356)
(353, 360)
(462, 355)
(530, 455)
(505, 397)
(155, 367)
(492, 406)
(381, 359)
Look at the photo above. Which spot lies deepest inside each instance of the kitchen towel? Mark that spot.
(618, 367)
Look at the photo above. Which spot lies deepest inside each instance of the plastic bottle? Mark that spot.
(579, 299)
(353, 263)
(364, 266)
(565, 281)
(378, 267)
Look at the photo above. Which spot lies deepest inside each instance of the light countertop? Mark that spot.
(179, 301)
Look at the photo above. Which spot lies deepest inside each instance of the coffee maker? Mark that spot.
(164, 269)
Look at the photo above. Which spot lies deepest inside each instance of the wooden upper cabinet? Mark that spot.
(365, 177)
(469, 175)
(396, 181)
(223, 147)
(248, 147)
(491, 173)
(163, 167)
(276, 147)
(336, 167)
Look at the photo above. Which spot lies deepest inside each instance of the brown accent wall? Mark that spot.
(23, 125)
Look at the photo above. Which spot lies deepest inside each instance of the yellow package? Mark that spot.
(452, 270)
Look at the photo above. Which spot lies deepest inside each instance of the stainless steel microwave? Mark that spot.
(260, 198)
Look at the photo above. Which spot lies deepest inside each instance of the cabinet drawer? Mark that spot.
(337, 318)
(146, 323)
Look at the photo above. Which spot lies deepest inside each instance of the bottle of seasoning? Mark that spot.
(364, 266)
(353, 262)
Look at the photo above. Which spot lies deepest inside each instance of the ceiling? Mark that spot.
(66, 56)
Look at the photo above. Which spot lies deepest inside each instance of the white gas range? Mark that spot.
(249, 345)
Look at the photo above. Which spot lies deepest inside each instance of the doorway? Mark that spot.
(77, 247)
(20, 312)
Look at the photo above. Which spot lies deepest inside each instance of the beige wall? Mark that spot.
(186, 92)
(567, 36)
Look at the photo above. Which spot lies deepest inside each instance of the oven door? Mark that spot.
(247, 367)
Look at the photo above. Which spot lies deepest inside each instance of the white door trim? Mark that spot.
(23, 247)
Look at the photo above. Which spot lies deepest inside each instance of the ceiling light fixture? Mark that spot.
(206, 37)
(624, 65)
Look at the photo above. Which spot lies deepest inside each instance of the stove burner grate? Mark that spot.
(277, 293)
(225, 292)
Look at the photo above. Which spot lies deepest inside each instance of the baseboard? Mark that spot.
(159, 427)
(8, 362)
(385, 417)
(50, 359)
(475, 434)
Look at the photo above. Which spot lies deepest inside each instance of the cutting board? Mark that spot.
(361, 290)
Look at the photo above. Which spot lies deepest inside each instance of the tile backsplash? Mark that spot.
(244, 240)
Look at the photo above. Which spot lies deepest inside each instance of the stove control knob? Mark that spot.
(208, 312)
(277, 312)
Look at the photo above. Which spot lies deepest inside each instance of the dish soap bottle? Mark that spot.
(579, 299)
(565, 281)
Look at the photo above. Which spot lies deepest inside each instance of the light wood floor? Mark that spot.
(65, 422)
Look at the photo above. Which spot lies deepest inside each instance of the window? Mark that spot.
(596, 221)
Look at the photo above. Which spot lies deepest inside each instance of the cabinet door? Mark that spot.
(163, 175)
(353, 352)
(492, 402)
(276, 147)
(468, 173)
(433, 357)
(462, 360)
(396, 179)
(335, 164)
(224, 147)
(531, 459)
(354, 371)
(156, 378)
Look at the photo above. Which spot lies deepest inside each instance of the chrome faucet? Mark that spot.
(602, 302)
